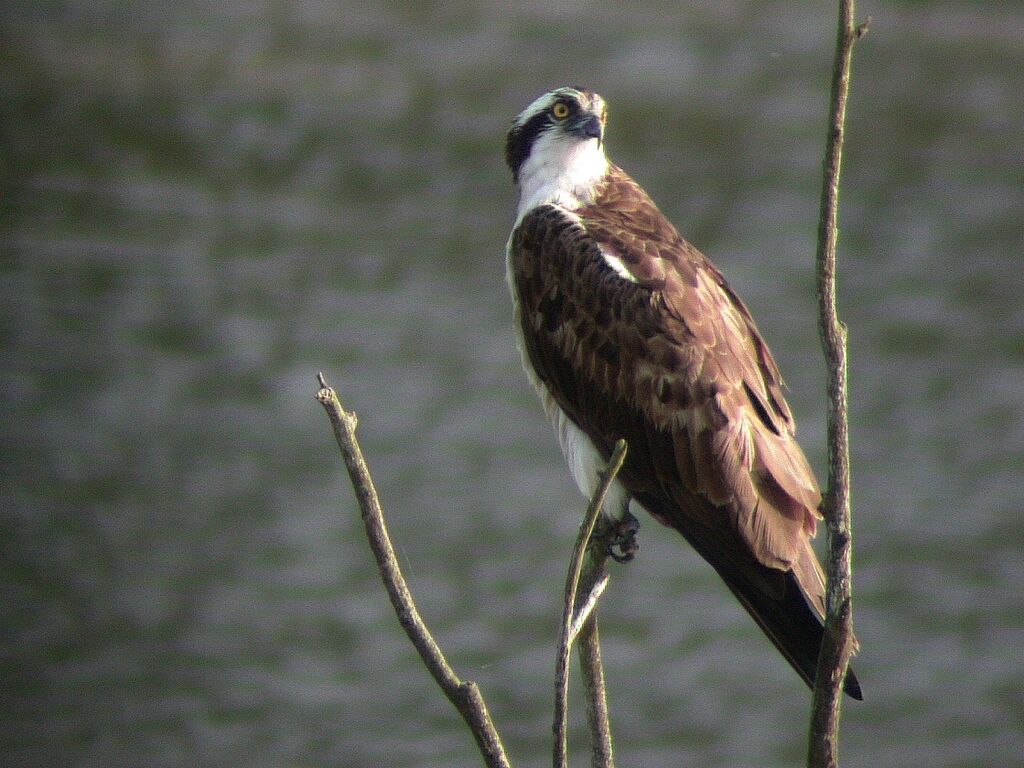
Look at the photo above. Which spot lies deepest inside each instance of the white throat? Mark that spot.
(562, 170)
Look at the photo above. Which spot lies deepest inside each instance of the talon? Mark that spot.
(617, 558)
(622, 545)
(625, 550)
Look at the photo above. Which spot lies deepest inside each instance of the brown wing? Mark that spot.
(674, 363)
(725, 401)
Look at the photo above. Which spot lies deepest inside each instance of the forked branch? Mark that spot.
(586, 569)
(579, 618)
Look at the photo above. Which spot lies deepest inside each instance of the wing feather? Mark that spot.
(672, 361)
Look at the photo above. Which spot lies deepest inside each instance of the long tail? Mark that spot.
(777, 601)
(792, 625)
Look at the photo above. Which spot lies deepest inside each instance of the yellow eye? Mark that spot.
(560, 110)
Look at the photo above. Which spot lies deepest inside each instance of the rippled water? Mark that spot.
(205, 204)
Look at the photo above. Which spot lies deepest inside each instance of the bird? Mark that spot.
(627, 331)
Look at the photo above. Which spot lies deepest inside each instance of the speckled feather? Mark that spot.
(672, 361)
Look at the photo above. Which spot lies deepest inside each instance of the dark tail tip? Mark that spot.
(852, 686)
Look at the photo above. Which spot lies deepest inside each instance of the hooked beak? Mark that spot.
(589, 126)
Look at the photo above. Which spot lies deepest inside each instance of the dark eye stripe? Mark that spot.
(521, 139)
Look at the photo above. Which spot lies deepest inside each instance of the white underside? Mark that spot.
(586, 464)
(563, 170)
(584, 460)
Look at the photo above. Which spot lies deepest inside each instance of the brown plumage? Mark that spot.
(671, 360)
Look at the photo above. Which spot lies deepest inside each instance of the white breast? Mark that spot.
(562, 170)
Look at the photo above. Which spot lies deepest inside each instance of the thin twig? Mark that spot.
(560, 754)
(464, 695)
(837, 642)
(594, 578)
(601, 755)
(586, 606)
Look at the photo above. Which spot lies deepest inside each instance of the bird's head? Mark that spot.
(558, 141)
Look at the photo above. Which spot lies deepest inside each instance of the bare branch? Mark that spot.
(837, 642)
(586, 606)
(576, 564)
(464, 695)
(597, 700)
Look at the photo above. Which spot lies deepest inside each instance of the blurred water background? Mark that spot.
(203, 204)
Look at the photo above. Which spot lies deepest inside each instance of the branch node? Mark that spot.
(325, 394)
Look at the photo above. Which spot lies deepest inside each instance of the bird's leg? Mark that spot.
(620, 538)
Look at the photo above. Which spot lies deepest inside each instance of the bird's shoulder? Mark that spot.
(620, 260)
(628, 224)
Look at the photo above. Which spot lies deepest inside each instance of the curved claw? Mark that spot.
(626, 554)
(622, 545)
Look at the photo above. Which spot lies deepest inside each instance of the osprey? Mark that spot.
(628, 331)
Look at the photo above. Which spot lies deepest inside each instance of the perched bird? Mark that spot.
(628, 331)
